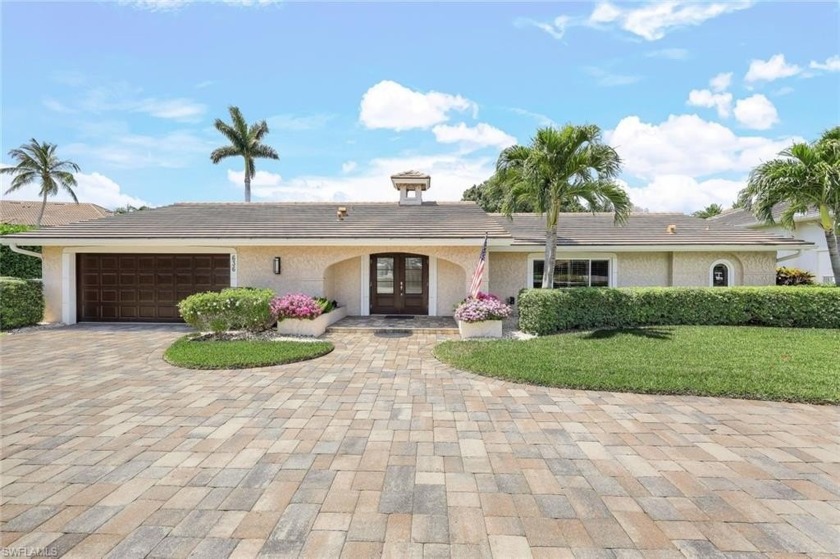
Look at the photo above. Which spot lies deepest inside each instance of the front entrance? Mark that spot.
(399, 284)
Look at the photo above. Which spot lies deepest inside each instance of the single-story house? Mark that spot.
(25, 212)
(404, 257)
(807, 229)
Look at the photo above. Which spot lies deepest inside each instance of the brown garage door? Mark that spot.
(144, 287)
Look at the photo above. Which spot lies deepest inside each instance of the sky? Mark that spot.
(692, 95)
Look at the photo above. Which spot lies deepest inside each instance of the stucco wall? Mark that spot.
(451, 287)
(343, 284)
(749, 268)
(643, 269)
(51, 273)
(508, 273)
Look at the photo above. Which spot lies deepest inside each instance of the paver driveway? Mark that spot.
(380, 449)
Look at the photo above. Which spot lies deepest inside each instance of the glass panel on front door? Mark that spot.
(399, 284)
(413, 275)
(385, 276)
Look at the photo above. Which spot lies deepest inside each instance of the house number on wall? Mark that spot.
(232, 262)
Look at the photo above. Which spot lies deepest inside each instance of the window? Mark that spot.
(575, 273)
(720, 275)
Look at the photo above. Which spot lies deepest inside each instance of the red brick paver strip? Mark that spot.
(378, 449)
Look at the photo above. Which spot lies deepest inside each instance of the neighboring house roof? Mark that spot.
(56, 213)
(297, 220)
(641, 229)
(740, 217)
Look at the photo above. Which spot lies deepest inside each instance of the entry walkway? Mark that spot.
(377, 449)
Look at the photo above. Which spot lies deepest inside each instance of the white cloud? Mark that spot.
(771, 69)
(542, 120)
(831, 64)
(608, 79)
(470, 138)
(669, 54)
(683, 193)
(604, 13)
(555, 28)
(688, 145)
(721, 82)
(261, 179)
(175, 109)
(136, 151)
(451, 175)
(349, 166)
(299, 122)
(94, 188)
(57, 106)
(391, 105)
(705, 98)
(756, 112)
(173, 5)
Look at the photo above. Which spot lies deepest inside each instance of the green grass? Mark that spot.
(800, 365)
(241, 354)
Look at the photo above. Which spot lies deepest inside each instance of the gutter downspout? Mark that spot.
(789, 256)
(19, 250)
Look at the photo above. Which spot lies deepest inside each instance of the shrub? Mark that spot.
(237, 308)
(296, 305)
(326, 305)
(793, 276)
(483, 306)
(546, 311)
(16, 265)
(21, 302)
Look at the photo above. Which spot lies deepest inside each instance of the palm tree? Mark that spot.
(245, 141)
(709, 211)
(562, 167)
(36, 161)
(805, 177)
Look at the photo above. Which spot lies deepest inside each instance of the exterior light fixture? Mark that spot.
(277, 265)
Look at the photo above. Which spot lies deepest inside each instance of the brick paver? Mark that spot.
(378, 449)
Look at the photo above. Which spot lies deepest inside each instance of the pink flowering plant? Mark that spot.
(484, 306)
(295, 305)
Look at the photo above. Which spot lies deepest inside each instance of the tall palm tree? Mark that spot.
(562, 167)
(709, 211)
(245, 141)
(37, 161)
(805, 177)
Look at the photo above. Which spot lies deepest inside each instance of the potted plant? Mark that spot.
(301, 315)
(481, 316)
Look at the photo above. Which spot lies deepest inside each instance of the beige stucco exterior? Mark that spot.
(337, 272)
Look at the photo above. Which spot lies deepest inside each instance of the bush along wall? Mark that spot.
(21, 302)
(13, 264)
(546, 311)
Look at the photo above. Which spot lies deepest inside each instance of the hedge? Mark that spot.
(21, 302)
(546, 311)
(16, 265)
(236, 308)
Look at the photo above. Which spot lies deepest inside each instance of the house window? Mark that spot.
(720, 275)
(575, 273)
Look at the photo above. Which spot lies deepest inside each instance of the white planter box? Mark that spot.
(483, 329)
(310, 328)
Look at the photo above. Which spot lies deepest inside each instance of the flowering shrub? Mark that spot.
(238, 308)
(295, 305)
(483, 306)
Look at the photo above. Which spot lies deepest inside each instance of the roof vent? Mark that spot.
(341, 213)
(672, 229)
(411, 185)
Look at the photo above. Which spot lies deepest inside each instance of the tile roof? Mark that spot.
(57, 213)
(296, 220)
(742, 218)
(641, 229)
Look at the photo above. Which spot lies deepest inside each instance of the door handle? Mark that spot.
(402, 292)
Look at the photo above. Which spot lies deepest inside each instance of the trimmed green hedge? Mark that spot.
(21, 302)
(546, 311)
(236, 308)
(13, 264)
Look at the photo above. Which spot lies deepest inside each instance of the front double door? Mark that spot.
(399, 284)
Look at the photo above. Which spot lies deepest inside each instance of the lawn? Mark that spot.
(741, 362)
(240, 354)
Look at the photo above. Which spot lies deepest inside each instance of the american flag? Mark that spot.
(479, 270)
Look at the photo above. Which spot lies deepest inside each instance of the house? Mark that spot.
(807, 229)
(404, 257)
(56, 213)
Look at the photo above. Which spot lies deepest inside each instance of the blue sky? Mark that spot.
(692, 95)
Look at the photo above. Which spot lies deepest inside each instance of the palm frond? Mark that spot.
(223, 152)
(264, 151)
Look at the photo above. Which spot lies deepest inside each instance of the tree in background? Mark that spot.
(246, 142)
(805, 177)
(128, 208)
(709, 211)
(38, 163)
(561, 167)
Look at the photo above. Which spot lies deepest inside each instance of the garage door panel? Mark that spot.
(144, 287)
